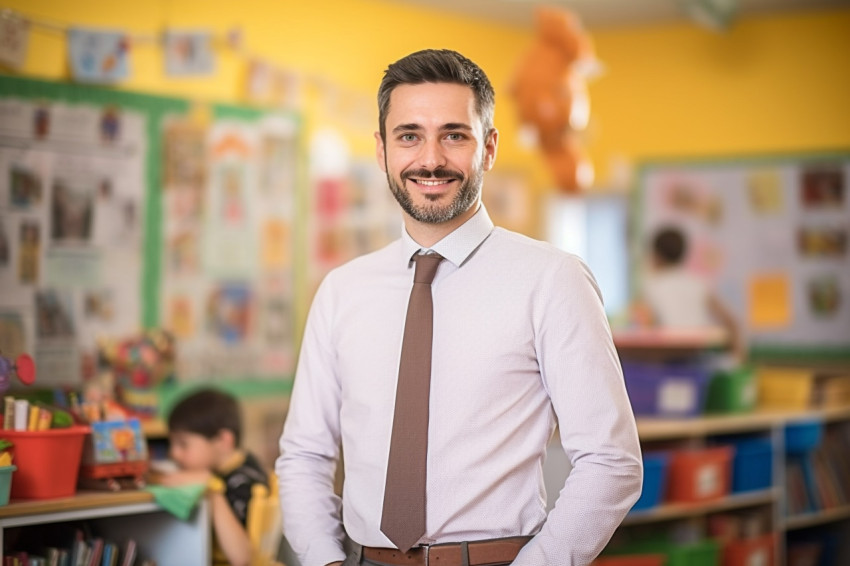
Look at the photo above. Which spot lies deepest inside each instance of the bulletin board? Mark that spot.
(771, 234)
(120, 211)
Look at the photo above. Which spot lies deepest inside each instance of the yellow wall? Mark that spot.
(772, 83)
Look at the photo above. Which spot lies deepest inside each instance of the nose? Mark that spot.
(432, 155)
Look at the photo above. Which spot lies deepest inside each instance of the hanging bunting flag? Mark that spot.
(98, 56)
(188, 53)
(14, 37)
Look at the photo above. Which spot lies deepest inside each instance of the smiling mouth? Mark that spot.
(432, 183)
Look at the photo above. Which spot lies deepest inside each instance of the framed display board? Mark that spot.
(121, 210)
(771, 234)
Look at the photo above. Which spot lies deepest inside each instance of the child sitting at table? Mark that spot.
(204, 433)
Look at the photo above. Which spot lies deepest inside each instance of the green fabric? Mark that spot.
(179, 501)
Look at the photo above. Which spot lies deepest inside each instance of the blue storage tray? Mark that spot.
(752, 467)
(803, 437)
(654, 481)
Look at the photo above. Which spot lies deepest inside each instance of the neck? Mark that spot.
(230, 460)
(426, 235)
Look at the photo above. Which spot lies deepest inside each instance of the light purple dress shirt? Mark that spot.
(521, 343)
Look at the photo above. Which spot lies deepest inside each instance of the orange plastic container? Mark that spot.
(48, 461)
(700, 475)
(758, 550)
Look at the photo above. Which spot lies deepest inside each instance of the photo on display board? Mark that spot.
(71, 211)
(25, 188)
(12, 333)
(5, 248)
(822, 242)
(29, 251)
(823, 188)
(824, 295)
(54, 314)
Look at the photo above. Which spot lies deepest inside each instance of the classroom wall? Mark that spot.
(775, 83)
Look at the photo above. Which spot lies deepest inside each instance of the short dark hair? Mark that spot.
(207, 412)
(437, 66)
(669, 245)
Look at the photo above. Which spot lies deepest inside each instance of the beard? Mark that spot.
(433, 212)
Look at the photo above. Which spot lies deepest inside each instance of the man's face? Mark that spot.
(436, 151)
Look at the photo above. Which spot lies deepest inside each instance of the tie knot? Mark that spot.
(426, 267)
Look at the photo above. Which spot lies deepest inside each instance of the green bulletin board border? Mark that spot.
(759, 354)
(155, 110)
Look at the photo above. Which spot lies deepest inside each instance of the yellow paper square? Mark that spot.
(770, 301)
(275, 244)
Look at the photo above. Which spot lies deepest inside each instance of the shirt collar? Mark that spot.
(458, 245)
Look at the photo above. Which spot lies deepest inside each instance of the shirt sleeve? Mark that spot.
(309, 446)
(581, 372)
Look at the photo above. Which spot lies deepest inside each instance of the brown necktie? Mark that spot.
(403, 518)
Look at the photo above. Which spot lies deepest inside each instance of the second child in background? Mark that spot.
(205, 431)
(677, 298)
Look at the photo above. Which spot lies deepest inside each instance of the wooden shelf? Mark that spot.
(816, 518)
(650, 429)
(682, 510)
(81, 501)
(660, 339)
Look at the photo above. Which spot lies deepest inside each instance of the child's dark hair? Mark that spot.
(207, 412)
(669, 245)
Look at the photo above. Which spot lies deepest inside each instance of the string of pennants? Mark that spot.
(103, 56)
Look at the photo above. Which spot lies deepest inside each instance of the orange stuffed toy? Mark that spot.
(550, 91)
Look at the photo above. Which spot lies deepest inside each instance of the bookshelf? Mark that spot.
(119, 516)
(765, 424)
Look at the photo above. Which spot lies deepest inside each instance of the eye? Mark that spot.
(408, 137)
(455, 136)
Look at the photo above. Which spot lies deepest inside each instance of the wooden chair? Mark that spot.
(264, 524)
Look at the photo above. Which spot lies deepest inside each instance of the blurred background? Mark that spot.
(177, 176)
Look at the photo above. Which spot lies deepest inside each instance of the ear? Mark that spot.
(226, 438)
(491, 143)
(380, 153)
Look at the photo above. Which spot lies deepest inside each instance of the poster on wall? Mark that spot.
(771, 236)
(71, 208)
(228, 277)
(106, 229)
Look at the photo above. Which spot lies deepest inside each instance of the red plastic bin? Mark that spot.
(745, 552)
(700, 475)
(48, 461)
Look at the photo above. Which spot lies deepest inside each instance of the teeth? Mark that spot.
(431, 183)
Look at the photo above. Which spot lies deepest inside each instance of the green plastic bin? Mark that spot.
(731, 391)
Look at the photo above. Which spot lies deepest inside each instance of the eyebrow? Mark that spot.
(445, 127)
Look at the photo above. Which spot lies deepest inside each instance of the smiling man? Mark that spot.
(441, 364)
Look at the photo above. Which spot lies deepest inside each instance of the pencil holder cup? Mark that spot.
(6, 483)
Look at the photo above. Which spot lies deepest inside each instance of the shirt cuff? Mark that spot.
(323, 552)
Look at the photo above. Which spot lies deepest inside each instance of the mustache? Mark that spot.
(435, 174)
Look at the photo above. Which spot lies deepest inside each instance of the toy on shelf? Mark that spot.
(115, 455)
(132, 368)
(23, 366)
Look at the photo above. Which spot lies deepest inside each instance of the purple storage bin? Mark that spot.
(666, 389)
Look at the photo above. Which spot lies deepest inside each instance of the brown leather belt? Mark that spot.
(481, 553)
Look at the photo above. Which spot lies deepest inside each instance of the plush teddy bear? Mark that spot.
(550, 90)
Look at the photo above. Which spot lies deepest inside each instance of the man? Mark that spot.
(518, 341)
